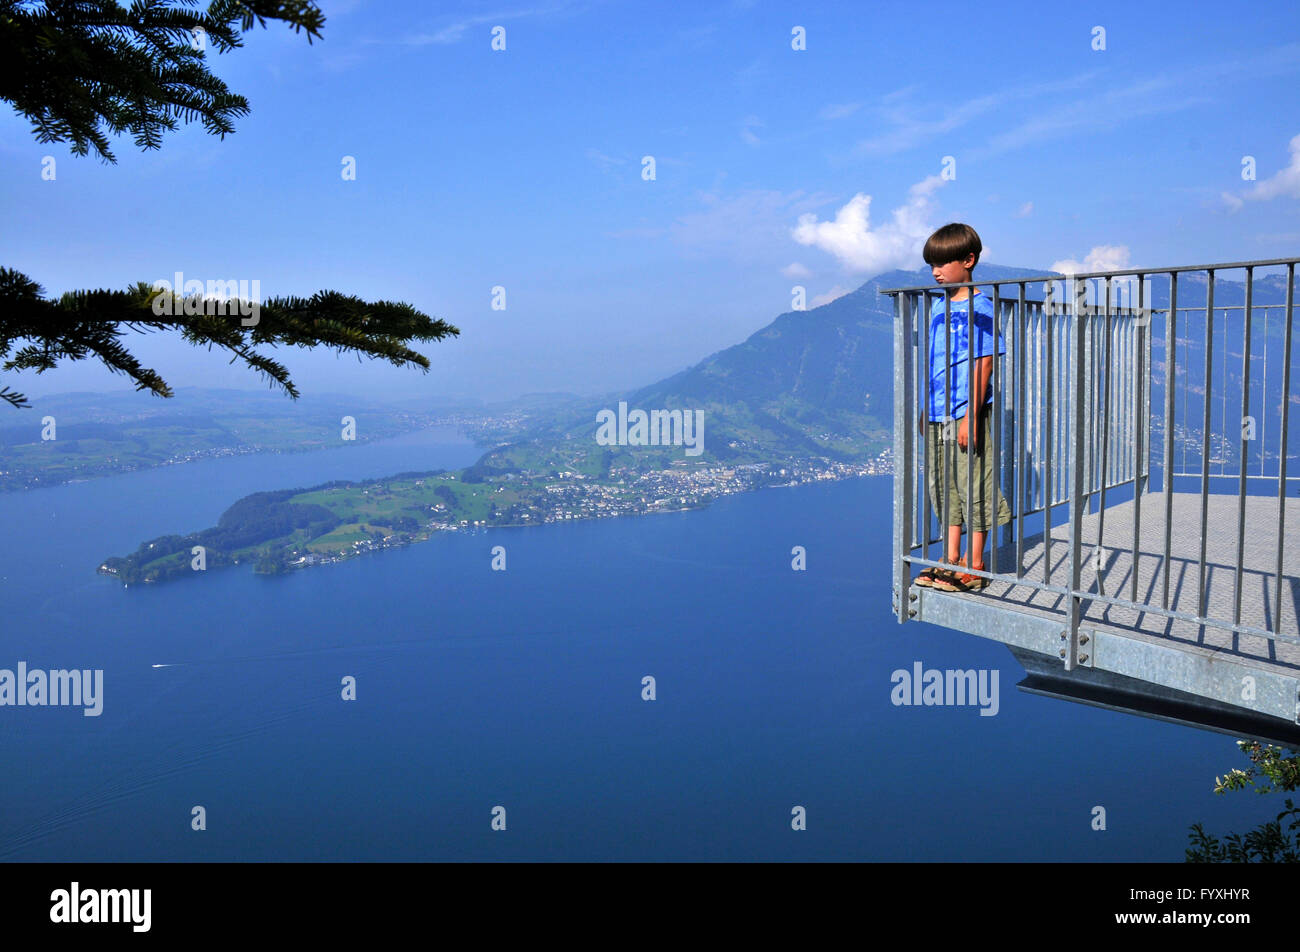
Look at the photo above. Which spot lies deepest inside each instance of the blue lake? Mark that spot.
(522, 689)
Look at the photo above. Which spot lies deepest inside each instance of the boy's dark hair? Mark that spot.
(953, 242)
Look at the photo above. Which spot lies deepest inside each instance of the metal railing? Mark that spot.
(1104, 383)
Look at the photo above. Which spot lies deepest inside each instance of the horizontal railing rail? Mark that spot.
(1081, 275)
(1106, 390)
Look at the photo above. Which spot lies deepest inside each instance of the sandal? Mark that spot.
(925, 578)
(932, 576)
(962, 582)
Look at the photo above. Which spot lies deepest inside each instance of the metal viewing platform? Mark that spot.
(1142, 438)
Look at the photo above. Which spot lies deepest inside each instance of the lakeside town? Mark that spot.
(574, 496)
(378, 514)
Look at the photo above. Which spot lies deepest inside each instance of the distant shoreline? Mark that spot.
(552, 501)
(8, 483)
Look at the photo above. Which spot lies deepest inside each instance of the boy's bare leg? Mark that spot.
(954, 544)
(977, 540)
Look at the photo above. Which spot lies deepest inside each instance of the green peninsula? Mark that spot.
(295, 528)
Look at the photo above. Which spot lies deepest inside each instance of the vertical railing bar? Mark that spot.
(994, 433)
(914, 405)
(1049, 435)
(944, 451)
(972, 420)
(1223, 415)
(1060, 433)
(1171, 355)
(1105, 389)
(1122, 395)
(1118, 395)
(923, 360)
(1145, 421)
(909, 386)
(1133, 384)
(1020, 467)
(1205, 436)
(1114, 343)
(1049, 388)
(900, 442)
(1042, 427)
(1128, 383)
(1141, 421)
(1281, 464)
(1187, 359)
(1085, 461)
(1034, 412)
(1111, 354)
(1263, 401)
(1092, 376)
(1088, 375)
(1035, 424)
(1076, 495)
(1102, 356)
(1040, 421)
(1092, 373)
(924, 419)
(1245, 412)
(1127, 391)
(1063, 443)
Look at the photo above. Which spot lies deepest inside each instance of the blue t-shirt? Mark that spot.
(984, 346)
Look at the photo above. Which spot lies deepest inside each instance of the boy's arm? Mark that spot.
(968, 431)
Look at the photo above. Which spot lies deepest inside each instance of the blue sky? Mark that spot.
(774, 167)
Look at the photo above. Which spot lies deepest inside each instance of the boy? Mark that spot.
(952, 432)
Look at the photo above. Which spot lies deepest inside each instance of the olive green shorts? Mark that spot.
(946, 476)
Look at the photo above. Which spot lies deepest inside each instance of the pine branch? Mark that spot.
(37, 333)
(78, 69)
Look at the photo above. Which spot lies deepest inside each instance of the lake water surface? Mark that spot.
(523, 689)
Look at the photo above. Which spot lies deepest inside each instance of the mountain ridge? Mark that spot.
(808, 384)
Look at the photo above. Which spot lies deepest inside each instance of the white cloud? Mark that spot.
(795, 270)
(746, 75)
(337, 62)
(1029, 114)
(839, 110)
(1100, 258)
(1285, 184)
(1094, 112)
(896, 243)
(337, 8)
(455, 29)
(831, 295)
(451, 33)
(750, 225)
(747, 125)
(901, 93)
(908, 131)
(605, 162)
(1171, 91)
(1025, 210)
(641, 232)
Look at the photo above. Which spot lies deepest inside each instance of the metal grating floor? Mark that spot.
(1258, 577)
